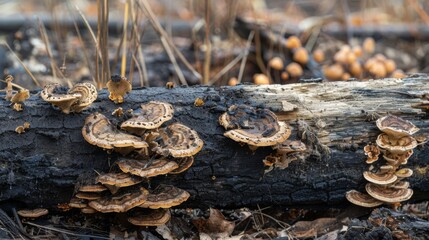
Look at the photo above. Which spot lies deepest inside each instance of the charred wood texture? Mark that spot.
(334, 119)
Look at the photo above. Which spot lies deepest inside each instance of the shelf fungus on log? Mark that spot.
(118, 86)
(120, 202)
(34, 213)
(147, 168)
(396, 144)
(154, 217)
(252, 126)
(152, 115)
(79, 97)
(362, 199)
(178, 140)
(98, 131)
(115, 181)
(165, 196)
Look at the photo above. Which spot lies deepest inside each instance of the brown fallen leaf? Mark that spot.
(216, 225)
(318, 227)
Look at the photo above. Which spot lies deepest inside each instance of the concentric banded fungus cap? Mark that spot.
(184, 164)
(35, 213)
(88, 210)
(77, 203)
(92, 188)
(118, 179)
(386, 194)
(88, 195)
(165, 196)
(88, 94)
(145, 169)
(153, 218)
(153, 114)
(98, 131)
(404, 173)
(400, 185)
(57, 96)
(178, 140)
(256, 127)
(398, 145)
(386, 168)
(362, 199)
(396, 126)
(397, 158)
(120, 203)
(380, 178)
(118, 86)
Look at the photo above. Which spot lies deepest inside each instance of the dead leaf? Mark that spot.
(216, 225)
(311, 229)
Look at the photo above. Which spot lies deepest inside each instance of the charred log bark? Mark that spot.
(335, 119)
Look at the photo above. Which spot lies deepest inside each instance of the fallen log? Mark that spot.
(335, 119)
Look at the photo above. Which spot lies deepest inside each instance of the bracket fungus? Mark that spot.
(396, 143)
(178, 140)
(165, 196)
(18, 98)
(362, 199)
(153, 218)
(147, 169)
(114, 181)
(153, 114)
(118, 86)
(120, 202)
(75, 99)
(98, 131)
(255, 127)
(34, 213)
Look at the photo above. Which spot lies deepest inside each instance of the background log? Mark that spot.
(41, 166)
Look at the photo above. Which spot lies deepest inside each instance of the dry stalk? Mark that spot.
(208, 44)
(23, 65)
(124, 41)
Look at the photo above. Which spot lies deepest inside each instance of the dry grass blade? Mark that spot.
(207, 59)
(124, 41)
(67, 232)
(23, 65)
(226, 69)
(173, 60)
(246, 53)
(158, 28)
(144, 81)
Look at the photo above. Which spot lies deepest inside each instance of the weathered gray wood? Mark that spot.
(41, 166)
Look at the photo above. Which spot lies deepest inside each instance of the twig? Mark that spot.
(23, 65)
(226, 69)
(173, 60)
(246, 53)
(208, 44)
(144, 81)
(18, 221)
(158, 28)
(124, 41)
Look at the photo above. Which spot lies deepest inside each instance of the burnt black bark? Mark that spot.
(41, 166)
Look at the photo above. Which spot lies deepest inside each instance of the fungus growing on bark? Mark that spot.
(18, 98)
(362, 199)
(92, 188)
(276, 63)
(114, 181)
(88, 210)
(77, 203)
(184, 164)
(88, 195)
(118, 86)
(178, 140)
(87, 95)
(198, 102)
(121, 202)
(255, 127)
(396, 144)
(152, 115)
(396, 127)
(380, 178)
(153, 218)
(57, 96)
(295, 70)
(170, 85)
(147, 169)
(372, 152)
(119, 112)
(20, 129)
(34, 213)
(76, 99)
(98, 131)
(300, 55)
(165, 196)
(387, 194)
(261, 79)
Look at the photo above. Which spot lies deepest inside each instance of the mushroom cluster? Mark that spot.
(387, 184)
(149, 149)
(18, 97)
(76, 99)
(259, 127)
(358, 62)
